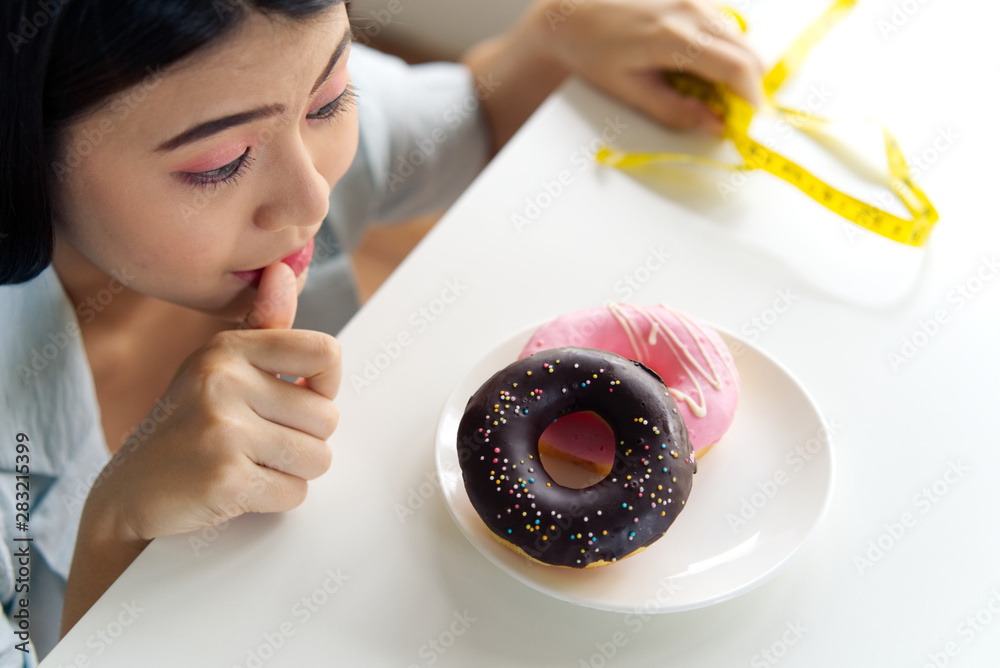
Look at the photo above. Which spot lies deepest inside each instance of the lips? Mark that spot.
(298, 261)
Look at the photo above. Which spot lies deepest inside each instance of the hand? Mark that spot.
(623, 46)
(236, 438)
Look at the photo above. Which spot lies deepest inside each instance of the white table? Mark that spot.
(399, 585)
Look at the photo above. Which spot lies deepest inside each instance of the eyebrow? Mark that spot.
(214, 126)
(209, 128)
(334, 59)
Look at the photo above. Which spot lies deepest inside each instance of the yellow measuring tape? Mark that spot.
(737, 114)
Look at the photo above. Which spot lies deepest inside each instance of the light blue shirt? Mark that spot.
(422, 140)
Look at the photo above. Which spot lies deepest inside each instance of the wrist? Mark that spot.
(538, 34)
(106, 519)
(105, 547)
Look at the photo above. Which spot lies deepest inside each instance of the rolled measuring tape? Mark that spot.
(738, 114)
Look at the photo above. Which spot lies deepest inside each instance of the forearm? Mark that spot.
(523, 70)
(102, 553)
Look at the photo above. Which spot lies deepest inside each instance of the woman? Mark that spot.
(171, 172)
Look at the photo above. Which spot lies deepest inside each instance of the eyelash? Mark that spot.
(230, 172)
(340, 104)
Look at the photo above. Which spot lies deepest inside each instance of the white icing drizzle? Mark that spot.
(632, 332)
(698, 408)
(640, 347)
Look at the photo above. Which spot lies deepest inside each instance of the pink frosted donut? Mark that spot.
(690, 357)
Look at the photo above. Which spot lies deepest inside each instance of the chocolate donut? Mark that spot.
(525, 508)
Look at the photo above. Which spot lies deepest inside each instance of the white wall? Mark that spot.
(445, 27)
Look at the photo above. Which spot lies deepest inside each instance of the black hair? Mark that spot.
(64, 58)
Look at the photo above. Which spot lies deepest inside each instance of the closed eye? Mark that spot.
(340, 104)
(225, 174)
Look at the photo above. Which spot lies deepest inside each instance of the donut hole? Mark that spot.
(577, 450)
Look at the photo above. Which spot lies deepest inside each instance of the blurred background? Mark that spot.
(417, 31)
(432, 29)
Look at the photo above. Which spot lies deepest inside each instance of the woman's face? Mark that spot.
(189, 182)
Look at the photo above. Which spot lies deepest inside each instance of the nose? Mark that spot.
(297, 193)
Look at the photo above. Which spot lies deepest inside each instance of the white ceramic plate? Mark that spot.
(756, 499)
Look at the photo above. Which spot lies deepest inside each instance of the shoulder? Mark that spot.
(422, 139)
(40, 327)
(47, 388)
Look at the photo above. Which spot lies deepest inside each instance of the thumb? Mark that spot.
(277, 299)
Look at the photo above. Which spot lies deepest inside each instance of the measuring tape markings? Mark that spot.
(738, 114)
